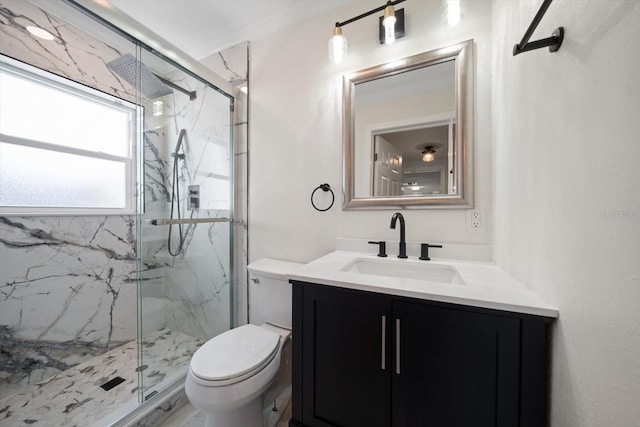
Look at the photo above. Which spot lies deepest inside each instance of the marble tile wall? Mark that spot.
(67, 292)
(233, 65)
(196, 284)
(68, 284)
(73, 53)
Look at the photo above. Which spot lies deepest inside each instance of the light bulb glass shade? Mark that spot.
(389, 16)
(429, 154)
(453, 12)
(389, 34)
(428, 157)
(389, 24)
(338, 47)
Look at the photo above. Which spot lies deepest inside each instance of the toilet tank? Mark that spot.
(270, 292)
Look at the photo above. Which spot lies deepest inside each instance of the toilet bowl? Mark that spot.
(229, 373)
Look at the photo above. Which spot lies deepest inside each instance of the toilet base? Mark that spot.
(249, 415)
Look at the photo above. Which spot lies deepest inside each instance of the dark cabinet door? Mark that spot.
(456, 368)
(345, 368)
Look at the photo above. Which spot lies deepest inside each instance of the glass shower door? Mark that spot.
(185, 233)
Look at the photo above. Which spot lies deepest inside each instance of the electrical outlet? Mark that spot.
(475, 220)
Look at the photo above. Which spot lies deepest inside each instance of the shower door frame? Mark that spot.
(140, 223)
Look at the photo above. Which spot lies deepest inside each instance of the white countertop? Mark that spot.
(485, 284)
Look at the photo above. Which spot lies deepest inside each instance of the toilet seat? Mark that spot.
(234, 355)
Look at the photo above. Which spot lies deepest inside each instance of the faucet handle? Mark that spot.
(382, 248)
(424, 251)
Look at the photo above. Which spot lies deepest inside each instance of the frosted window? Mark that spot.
(64, 147)
(34, 177)
(49, 114)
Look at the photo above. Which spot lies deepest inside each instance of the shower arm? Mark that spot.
(192, 94)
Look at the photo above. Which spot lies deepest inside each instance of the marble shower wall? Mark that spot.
(67, 293)
(73, 53)
(233, 65)
(68, 284)
(192, 291)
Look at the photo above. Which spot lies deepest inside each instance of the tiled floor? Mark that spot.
(278, 393)
(188, 416)
(74, 397)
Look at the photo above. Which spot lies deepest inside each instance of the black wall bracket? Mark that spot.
(554, 42)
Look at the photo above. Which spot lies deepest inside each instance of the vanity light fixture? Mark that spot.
(338, 46)
(453, 12)
(389, 24)
(429, 154)
(391, 27)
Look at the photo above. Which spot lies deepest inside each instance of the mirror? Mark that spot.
(408, 132)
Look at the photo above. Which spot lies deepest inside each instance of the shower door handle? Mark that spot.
(170, 221)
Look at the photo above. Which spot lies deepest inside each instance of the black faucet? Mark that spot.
(403, 243)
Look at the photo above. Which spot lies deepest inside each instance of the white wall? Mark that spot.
(567, 206)
(295, 131)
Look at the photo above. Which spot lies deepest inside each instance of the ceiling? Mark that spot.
(203, 27)
(435, 136)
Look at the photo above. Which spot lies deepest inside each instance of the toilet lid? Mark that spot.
(235, 353)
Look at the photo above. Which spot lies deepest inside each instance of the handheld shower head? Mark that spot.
(179, 145)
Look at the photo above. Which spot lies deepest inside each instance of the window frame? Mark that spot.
(134, 112)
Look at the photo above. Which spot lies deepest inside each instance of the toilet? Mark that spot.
(229, 373)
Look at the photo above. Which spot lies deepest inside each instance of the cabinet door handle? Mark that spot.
(383, 346)
(398, 346)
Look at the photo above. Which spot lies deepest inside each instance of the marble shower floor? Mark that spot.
(74, 397)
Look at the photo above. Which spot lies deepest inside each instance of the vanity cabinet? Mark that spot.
(376, 360)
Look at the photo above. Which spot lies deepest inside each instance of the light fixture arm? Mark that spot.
(369, 13)
(388, 31)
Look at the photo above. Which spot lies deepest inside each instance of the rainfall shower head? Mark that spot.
(129, 68)
(151, 85)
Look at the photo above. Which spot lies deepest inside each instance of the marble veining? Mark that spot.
(233, 65)
(195, 284)
(68, 285)
(79, 268)
(74, 397)
(67, 292)
(73, 53)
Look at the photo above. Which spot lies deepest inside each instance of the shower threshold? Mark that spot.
(95, 389)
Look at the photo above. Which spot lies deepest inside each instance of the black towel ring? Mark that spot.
(323, 187)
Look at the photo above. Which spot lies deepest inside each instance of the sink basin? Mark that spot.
(401, 269)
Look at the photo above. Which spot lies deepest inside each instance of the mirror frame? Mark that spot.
(464, 59)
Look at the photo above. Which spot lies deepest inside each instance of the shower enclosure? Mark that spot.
(185, 237)
(102, 305)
